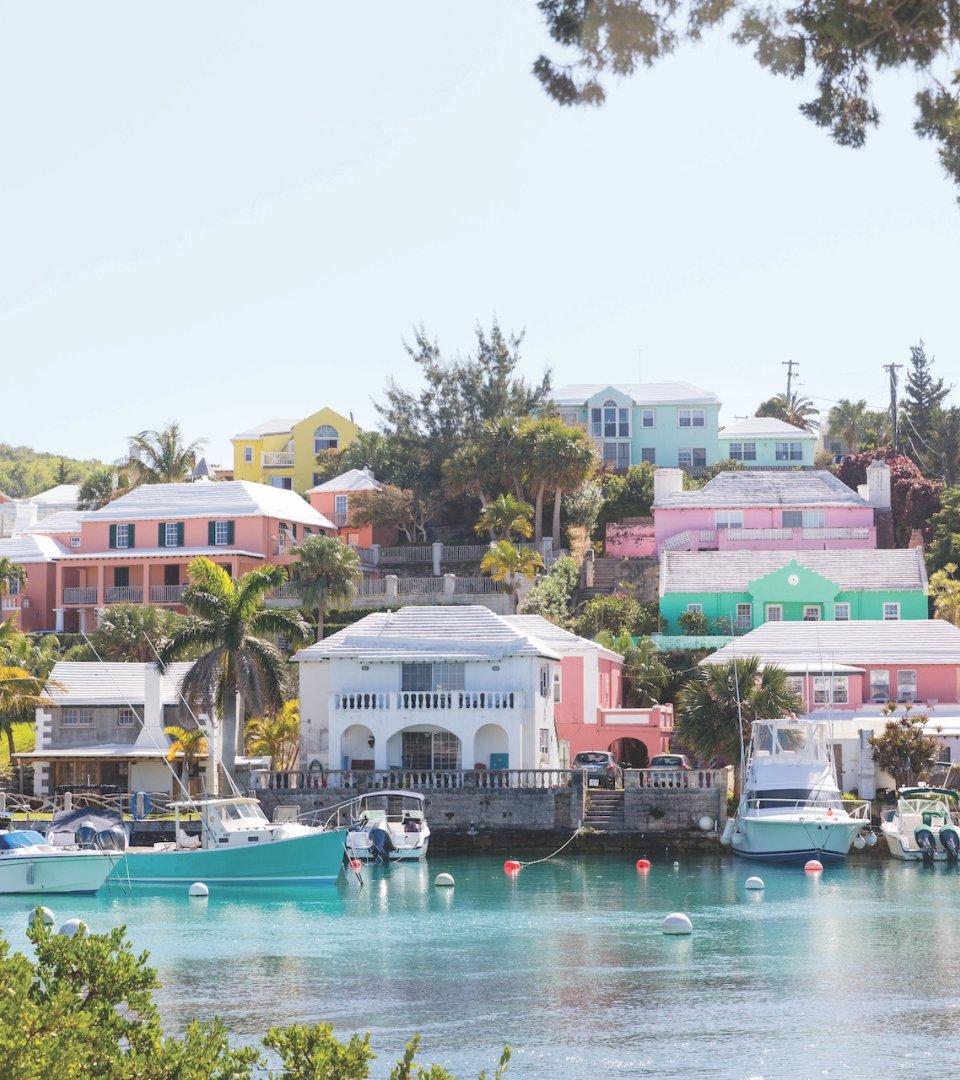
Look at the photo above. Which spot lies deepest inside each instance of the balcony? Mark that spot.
(341, 518)
(274, 459)
(124, 594)
(166, 594)
(73, 597)
(407, 701)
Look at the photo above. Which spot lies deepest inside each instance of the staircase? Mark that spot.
(607, 574)
(604, 811)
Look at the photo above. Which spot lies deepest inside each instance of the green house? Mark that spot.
(744, 589)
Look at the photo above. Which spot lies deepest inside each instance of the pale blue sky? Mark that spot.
(225, 212)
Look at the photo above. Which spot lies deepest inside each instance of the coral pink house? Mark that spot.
(588, 698)
(767, 510)
(332, 499)
(137, 548)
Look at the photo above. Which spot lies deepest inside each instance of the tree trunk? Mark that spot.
(232, 709)
(556, 519)
(319, 624)
(538, 515)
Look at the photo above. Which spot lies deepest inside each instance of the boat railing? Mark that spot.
(851, 808)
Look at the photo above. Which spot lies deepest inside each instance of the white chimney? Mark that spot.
(151, 734)
(666, 482)
(26, 517)
(878, 485)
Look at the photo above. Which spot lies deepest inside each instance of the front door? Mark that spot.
(171, 574)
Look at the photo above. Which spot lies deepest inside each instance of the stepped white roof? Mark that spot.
(29, 548)
(662, 393)
(821, 646)
(351, 480)
(110, 683)
(560, 640)
(61, 495)
(425, 633)
(208, 499)
(853, 570)
(766, 487)
(765, 427)
(61, 521)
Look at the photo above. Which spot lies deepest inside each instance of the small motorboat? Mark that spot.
(925, 826)
(28, 864)
(792, 809)
(388, 826)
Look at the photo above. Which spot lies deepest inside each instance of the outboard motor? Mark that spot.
(86, 836)
(112, 839)
(380, 845)
(950, 842)
(925, 841)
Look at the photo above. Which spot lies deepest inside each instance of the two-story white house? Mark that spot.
(439, 688)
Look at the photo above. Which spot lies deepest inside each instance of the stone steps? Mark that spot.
(604, 811)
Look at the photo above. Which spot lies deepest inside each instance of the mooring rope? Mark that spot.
(534, 862)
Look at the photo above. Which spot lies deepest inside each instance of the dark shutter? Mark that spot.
(179, 534)
(131, 533)
(162, 535)
(229, 532)
(113, 536)
(211, 533)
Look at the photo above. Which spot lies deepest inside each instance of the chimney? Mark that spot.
(878, 485)
(151, 731)
(26, 517)
(666, 482)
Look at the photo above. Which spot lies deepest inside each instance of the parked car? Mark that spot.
(600, 767)
(671, 761)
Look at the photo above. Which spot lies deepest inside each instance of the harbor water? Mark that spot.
(854, 972)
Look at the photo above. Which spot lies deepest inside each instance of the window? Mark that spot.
(340, 507)
(801, 519)
(744, 615)
(441, 676)
(74, 541)
(743, 451)
(648, 418)
(774, 613)
(906, 686)
(648, 454)
(696, 608)
(13, 586)
(811, 613)
(684, 457)
(121, 536)
(317, 479)
(171, 534)
(699, 457)
(880, 687)
(545, 681)
(830, 690)
(430, 750)
(325, 438)
(691, 418)
(728, 519)
(795, 684)
(891, 612)
(610, 422)
(544, 740)
(77, 717)
(248, 455)
(616, 455)
(789, 451)
(121, 577)
(127, 718)
(220, 533)
(943, 755)
(285, 483)
(571, 419)
(841, 612)
(557, 685)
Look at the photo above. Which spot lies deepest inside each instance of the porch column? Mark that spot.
(449, 586)
(83, 620)
(393, 585)
(58, 612)
(101, 592)
(437, 558)
(146, 583)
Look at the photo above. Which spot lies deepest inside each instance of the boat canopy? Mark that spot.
(923, 792)
(20, 838)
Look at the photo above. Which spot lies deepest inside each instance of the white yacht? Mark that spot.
(791, 809)
(29, 864)
(388, 826)
(925, 826)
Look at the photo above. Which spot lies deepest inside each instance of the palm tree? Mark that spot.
(190, 744)
(327, 572)
(161, 457)
(11, 574)
(794, 409)
(21, 650)
(131, 632)
(570, 458)
(228, 623)
(277, 736)
(845, 422)
(506, 563)
(711, 707)
(505, 516)
(21, 694)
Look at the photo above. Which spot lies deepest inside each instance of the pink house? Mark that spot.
(588, 698)
(137, 548)
(767, 510)
(332, 499)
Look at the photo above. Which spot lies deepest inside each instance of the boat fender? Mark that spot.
(726, 836)
(140, 805)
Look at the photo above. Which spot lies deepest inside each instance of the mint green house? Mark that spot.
(763, 442)
(744, 589)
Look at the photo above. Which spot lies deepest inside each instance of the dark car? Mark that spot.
(600, 768)
(670, 761)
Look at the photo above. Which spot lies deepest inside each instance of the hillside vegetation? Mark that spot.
(25, 472)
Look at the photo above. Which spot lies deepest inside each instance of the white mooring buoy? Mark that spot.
(42, 915)
(199, 889)
(443, 879)
(677, 923)
(753, 883)
(859, 842)
(72, 927)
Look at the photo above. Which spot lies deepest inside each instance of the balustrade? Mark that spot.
(424, 700)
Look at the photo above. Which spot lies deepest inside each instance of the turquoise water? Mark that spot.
(855, 972)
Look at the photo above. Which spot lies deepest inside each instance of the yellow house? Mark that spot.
(283, 453)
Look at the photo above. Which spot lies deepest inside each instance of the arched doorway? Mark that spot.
(632, 753)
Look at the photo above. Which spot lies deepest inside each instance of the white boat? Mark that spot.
(791, 809)
(28, 864)
(925, 826)
(388, 826)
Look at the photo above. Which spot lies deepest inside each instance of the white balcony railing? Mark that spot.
(124, 594)
(166, 594)
(80, 596)
(837, 534)
(425, 700)
(272, 459)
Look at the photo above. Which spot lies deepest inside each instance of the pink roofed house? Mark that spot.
(332, 499)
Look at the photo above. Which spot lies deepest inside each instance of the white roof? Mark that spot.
(103, 750)
(31, 549)
(846, 724)
(208, 499)
(110, 683)
(853, 570)
(765, 426)
(560, 640)
(271, 427)
(61, 521)
(665, 393)
(766, 487)
(819, 646)
(61, 495)
(424, 633)
(351, 480)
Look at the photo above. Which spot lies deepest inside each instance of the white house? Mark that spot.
(428, 688)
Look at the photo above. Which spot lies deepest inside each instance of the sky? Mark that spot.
(227, 212)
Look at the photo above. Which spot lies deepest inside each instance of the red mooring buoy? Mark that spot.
(643, 864)
(814, 866)
(355, 865)
(511, 866)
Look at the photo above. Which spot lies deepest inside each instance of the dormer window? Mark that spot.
(325, 438)
(610, 421)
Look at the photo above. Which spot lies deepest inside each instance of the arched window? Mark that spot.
(325, 438)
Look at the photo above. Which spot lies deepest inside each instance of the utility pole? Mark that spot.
(789, 365)
(892, 370)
